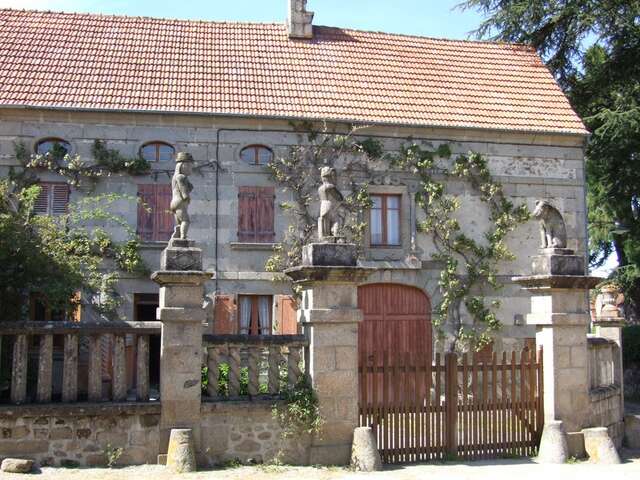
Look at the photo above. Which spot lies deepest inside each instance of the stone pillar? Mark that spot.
(560, 312)
(181, 282)
(329, 314)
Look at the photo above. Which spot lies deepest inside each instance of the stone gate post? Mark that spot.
(181, 282)
(329, 314)
(560, 312)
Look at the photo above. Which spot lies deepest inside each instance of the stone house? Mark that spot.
(226, 92)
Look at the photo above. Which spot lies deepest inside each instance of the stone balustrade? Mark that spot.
(602, 354)
(242, 367)
(68, 361)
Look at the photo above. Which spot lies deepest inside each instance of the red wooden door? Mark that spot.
(397, 320)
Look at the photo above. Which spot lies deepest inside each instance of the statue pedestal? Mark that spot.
(329, 314)
(560, 311)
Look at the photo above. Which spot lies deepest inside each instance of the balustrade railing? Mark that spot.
(248, 366)
(47, 362)
(602, 363)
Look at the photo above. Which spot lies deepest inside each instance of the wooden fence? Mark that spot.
(248, 366)
(422, 410)
(68, 361)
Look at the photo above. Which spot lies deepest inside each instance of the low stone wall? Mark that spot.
(606, 411)
(247, 431)
(69, 435)
(78, 435)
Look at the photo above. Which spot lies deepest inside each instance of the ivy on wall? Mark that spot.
(469, 266)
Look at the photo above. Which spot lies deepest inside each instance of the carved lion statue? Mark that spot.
(553, 232)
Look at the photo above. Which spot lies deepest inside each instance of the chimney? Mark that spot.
(299, 20)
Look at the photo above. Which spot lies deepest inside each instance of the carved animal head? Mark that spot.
(543, 209)
(328, 172)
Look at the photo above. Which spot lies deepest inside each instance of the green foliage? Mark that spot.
(298, 411)
(112, 454)
(223, 380)
(631, 346)
(112, 161)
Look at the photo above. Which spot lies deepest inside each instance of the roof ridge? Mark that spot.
(282, 24)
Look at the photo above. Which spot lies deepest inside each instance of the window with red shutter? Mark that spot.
(256, 214)
(53, 199)
(155, 221)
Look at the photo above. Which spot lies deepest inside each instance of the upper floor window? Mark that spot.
(55, 146)
(53, 199)
(256, 214)
(256, 155)
(157, 152)
(385, 220)
(254, 314)
(155, 221)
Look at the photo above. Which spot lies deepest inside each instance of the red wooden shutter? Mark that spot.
(163, 218)
(286, 314)
(247, 214)
(59, 198)
(265, 232)
(146, 207)
(224, 315)
(41, 206)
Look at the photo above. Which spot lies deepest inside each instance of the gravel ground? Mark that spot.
(523, 469)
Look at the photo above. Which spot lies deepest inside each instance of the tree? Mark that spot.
(55, 257)
(602, 82)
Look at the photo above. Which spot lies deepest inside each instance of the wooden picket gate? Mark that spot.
(422, 410)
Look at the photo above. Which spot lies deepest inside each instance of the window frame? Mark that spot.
(157, 234)
(385, 233)
(256, 155)
(254, 320)
(253, 195)
(64, 143)
(157, 144)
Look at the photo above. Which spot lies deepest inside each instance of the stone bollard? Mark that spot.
(599, 446)
(553, 445)
(365, 456)
(16, 465)
(181, 456)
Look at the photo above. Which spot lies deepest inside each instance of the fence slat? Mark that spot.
(494, 404)
(70, 368)
(45, 369)
(503, 404)
(142, 369)
(119, 369)
(94, 375)
(19, 370)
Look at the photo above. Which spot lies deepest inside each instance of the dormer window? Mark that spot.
(256, 155)
(55, 146)
(157, 152)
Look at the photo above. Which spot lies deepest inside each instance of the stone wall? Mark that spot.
(530, 166)
(71, 435)
(606, 411)
(67, 435)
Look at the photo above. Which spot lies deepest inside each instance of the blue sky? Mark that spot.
(433, 18)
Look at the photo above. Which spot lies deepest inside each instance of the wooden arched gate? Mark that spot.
(431, 407)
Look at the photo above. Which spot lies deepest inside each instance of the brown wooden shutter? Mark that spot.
(163, 218)
(286, 307)
(265, 232)
(59, 198)
(224, 315)
(247, 214)
(41, 206)
(146, 208)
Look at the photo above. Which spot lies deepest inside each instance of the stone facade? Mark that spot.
(530, 166)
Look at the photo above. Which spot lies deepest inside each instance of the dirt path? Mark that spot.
(523, 469)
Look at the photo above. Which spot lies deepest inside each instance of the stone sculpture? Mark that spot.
(181, 189)
(331, 218)
(553, 232)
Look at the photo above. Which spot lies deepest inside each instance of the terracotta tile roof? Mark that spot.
(87, 61)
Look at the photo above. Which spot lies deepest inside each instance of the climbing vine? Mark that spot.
(469, 263)
(298, 410)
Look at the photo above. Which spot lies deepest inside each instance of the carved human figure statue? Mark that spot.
(553, 232)
(331, 219)
(181, 189)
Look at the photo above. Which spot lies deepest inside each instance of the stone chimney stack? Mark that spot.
(299, 20)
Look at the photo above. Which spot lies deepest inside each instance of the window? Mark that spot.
(157, 152)
(256, 155)
(144, 307)
(385, 220)
(53, 199)
(254, 314)
(40, 311)
(53, 145)
(255, 214)
(155, 221)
